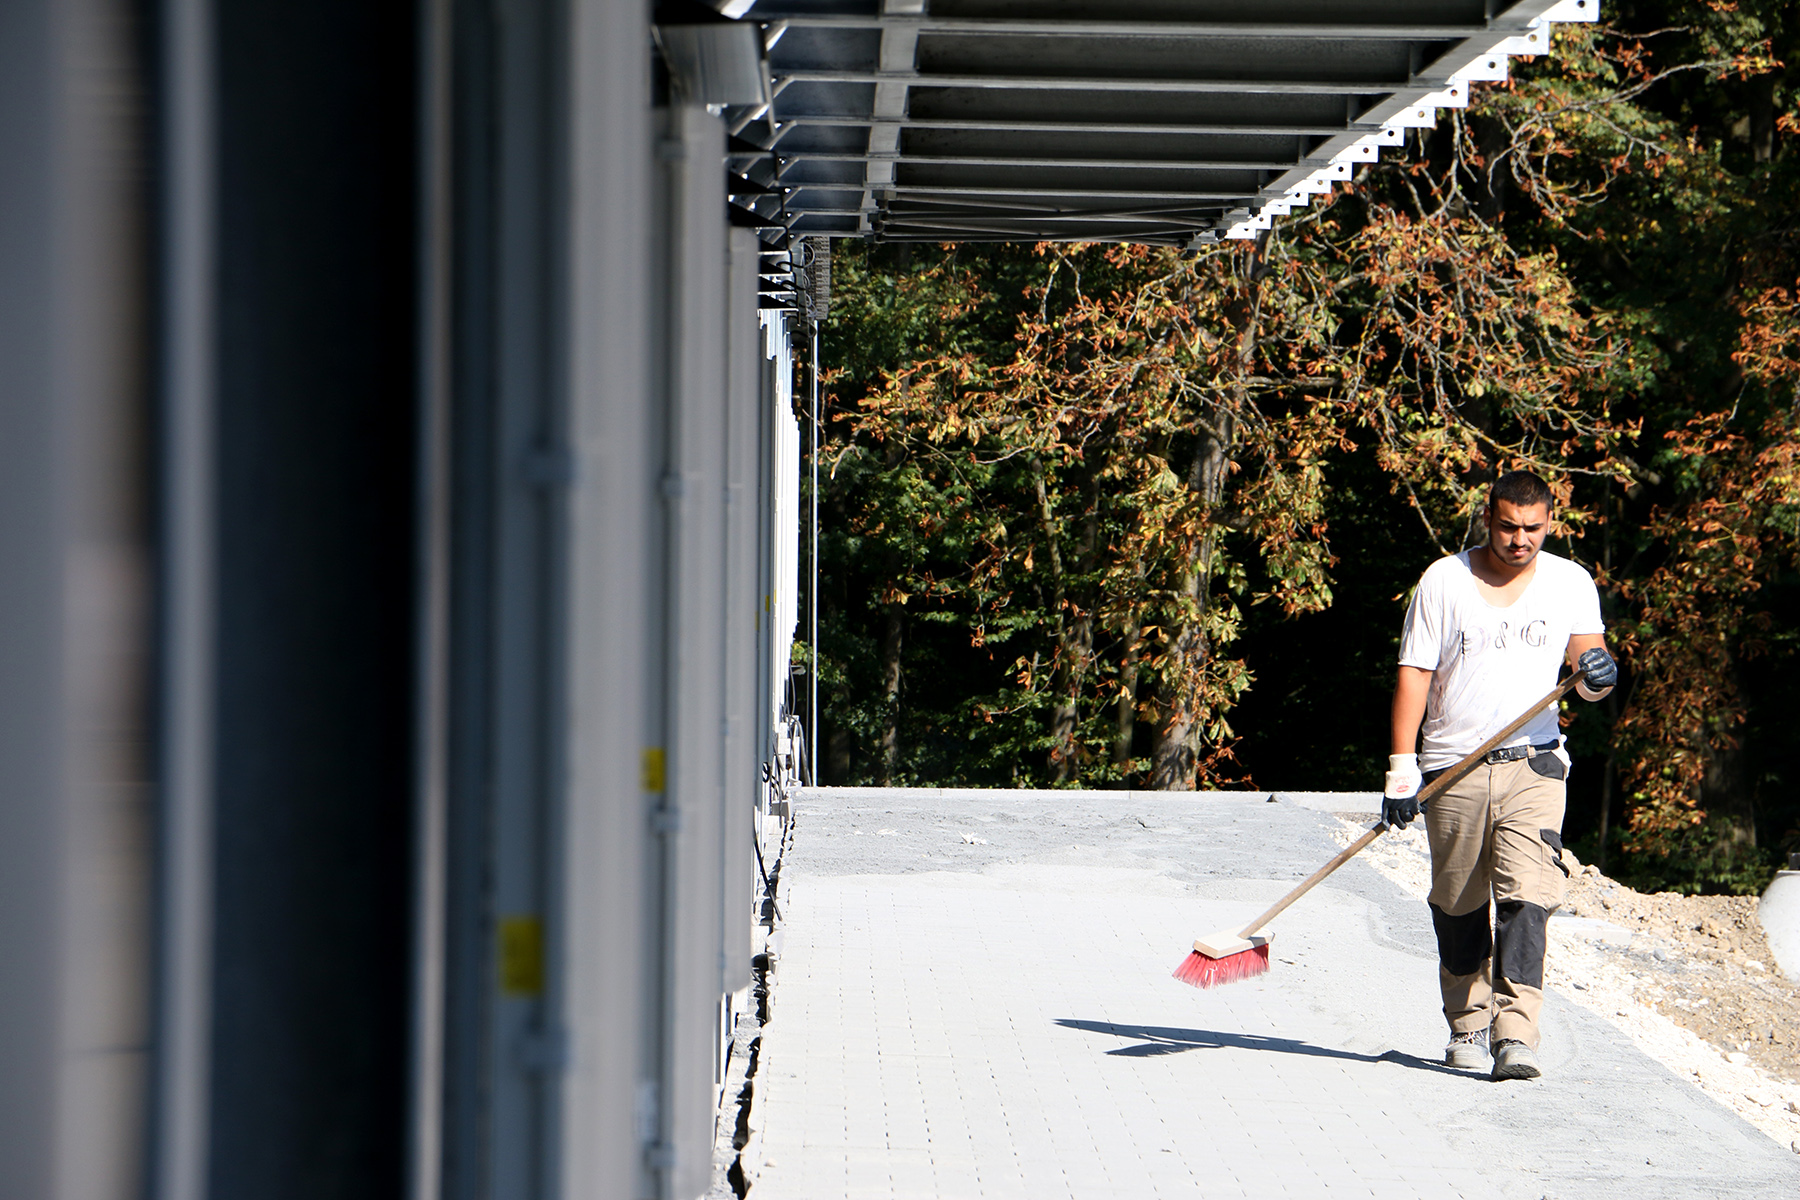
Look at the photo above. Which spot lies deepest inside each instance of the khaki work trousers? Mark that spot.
(1498, 834)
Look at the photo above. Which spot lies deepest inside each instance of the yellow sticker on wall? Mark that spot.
(650, 769)
(521, 956)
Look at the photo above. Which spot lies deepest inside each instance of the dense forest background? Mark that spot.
(1112, 516)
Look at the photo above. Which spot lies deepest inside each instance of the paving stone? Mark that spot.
(997, 1020)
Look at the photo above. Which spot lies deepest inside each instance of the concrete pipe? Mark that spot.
(1779, 913)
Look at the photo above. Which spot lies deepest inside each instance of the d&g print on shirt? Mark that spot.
(1479, 639)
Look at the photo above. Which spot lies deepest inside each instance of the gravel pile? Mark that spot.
(1688, 978)
(1704, 965)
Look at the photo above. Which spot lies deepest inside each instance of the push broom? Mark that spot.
(1231, 955)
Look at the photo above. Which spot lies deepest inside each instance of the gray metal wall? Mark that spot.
(388, 452)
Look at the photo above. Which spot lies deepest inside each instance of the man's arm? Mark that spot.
(1410, 692)
(1400, 791)
(1588, 654)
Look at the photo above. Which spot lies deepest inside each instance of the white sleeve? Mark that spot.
(1584, 603)
(1421, 637)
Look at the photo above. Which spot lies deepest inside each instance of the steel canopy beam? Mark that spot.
(1066, 124)
(1091, 83)
(1129, 27)
(1022, 212)
(1017, 215)
(1073, 164)
(941, 189)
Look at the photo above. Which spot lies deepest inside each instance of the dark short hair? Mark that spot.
(1521, 488)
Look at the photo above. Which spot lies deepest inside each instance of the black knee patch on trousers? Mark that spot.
(1519, 942)
(1464, 942)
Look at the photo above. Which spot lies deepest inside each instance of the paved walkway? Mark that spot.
(972, 998)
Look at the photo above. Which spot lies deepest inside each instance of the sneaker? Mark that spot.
(1467, 1051)
(1513, 1059)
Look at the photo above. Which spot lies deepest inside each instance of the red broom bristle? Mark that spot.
(1204, 971)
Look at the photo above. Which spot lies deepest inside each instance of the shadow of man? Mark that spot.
(1151, 1041)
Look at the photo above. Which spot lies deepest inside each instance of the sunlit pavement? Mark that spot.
(973, 999)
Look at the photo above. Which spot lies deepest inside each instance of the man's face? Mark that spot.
(1516, 532)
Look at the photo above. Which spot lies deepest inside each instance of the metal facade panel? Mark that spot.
(744, 711)
(506, 1047)
(693, 142)
(608, 933)
(515, 470)
(431, 608)
(179, 1133)
(782, 510)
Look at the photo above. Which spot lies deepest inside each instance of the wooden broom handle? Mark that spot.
(1448, 779)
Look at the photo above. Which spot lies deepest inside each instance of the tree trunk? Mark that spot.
(888, 744)
(1077, 651)
(1176, 752)
(1126, 727)
(1606, 783)
(1762, 117)
(1726, 794)
(836, 767)
(1612, 699)
(1488, 187)
(1072, 627)
(890, 683)
(1175, 756)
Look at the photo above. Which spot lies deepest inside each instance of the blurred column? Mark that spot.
(611, 597)
(744, 714)
(74, 589)
(290, 563)
(185, 329)
(692, 153)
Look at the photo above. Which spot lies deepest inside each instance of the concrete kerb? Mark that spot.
(1332, 802)
(867, 794)
(1318, 801)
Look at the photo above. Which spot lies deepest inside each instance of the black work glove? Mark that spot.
(1598, 670)
(1399, 813)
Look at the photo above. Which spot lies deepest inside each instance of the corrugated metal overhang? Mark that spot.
(1160, 121)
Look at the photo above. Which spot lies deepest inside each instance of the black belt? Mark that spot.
(1495, 757)
(1514, 753)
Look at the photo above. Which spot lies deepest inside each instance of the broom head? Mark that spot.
(1224, 957)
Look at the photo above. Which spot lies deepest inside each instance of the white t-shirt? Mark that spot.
(1491, 663)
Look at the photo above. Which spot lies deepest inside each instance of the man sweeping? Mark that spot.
(1485, 636)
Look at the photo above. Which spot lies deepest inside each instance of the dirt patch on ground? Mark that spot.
(1688, 978)
(1707, 967)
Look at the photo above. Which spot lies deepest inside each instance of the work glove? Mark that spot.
(1598, 670)
(1400, 795)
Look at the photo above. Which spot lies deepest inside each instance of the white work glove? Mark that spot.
(1400, 795)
